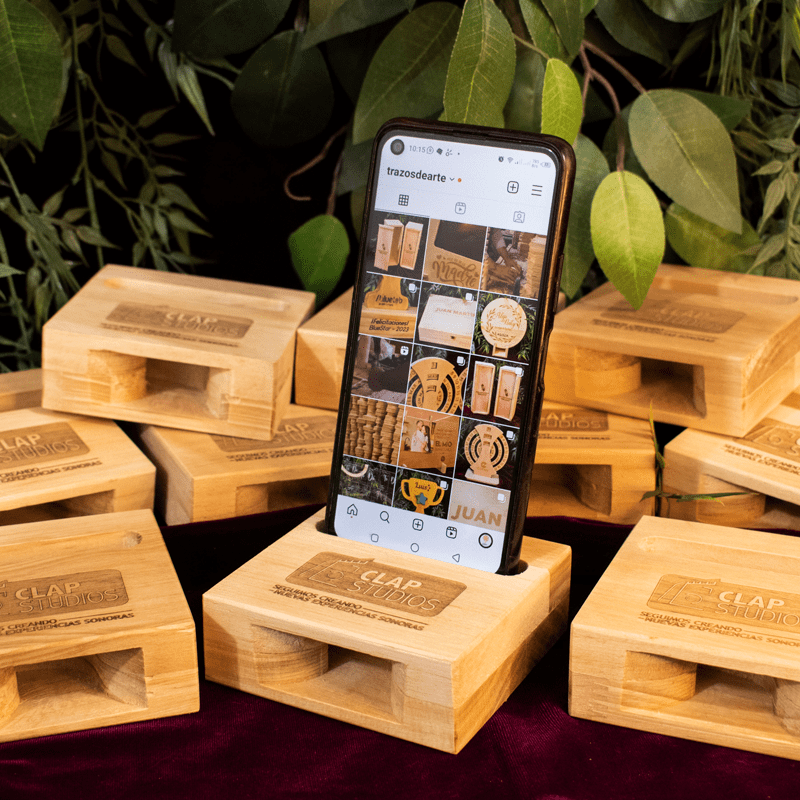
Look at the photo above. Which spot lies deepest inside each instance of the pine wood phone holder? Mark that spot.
(763, 467)
(710, 350)
(55, 465)
(184, 352)
(593, 465)
(415, 648)
(94, 627)
(205, 476)
(20, 389)
(693, 631)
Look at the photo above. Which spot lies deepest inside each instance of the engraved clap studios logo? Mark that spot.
(25, 599)
(379, 584)
(38, 444)
(727, 602)
(176, 319)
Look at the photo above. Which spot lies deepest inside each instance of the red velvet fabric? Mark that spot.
(243, 747)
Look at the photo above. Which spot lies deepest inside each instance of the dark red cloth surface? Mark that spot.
(240, 746)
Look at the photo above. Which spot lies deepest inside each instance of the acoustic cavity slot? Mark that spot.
(699, 692)
(669, 386)
(81, 506)
(257, 498)
(191, 390)
(328, 674)
(71, 689)
(587, 484)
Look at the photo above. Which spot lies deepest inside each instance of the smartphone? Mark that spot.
(457, 280)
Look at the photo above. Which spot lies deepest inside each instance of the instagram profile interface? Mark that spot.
(453, 266)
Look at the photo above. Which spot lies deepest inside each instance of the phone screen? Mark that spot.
(443, 364)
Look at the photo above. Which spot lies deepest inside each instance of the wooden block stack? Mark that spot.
(717, 353)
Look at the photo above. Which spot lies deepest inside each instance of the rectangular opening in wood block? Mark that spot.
(572, 484)
(84, 505)
(734, 699)
(329, 674)
(670, 386)
(260, 497)
(71, 689)
(181, 389)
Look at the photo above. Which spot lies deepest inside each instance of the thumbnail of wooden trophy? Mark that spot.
(503, 323)
(435, 385)
(423, 494)
(487, 452)
(386, 311)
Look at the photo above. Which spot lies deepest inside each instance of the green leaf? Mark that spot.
(568, 19)
(92, 236)
(562, 105)
(523, 111)
(730, 110)
(407, 74)
(355, 167)
(634, 26)
(591, 169)
(355, 15)
(213, 28)
(688, 154)
(319, 249)
(186, 76)
(120, 50)
(702, 244)
(481, 68)
(627, 234)
(7, 271)
(31, 68)
(542, 29)
(684, 10)
(283, 94)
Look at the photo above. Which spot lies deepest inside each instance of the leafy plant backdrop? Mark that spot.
(683, 114)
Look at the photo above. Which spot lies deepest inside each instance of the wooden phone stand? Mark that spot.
(710, 350)
(415, 648)
(763, 466)
(694, 631)
(94, 627)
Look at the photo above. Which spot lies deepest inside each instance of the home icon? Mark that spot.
(352, 510)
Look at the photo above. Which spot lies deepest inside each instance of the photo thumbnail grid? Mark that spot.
(446, 324)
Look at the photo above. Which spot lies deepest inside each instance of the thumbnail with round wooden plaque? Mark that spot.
(487, 451)
(504, 324)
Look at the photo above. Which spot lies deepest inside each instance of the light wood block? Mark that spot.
(592, 465)
(102, 633)
(404, 645)
(765, 463)
(175, 350)
(55, 465)
(319, 361)
(710, 350)
(693, 631)
(20, 389)
(204, 476)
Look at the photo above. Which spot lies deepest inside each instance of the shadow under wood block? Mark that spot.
(693, 632)
(102, 635)
(708, 350)
(178, 350)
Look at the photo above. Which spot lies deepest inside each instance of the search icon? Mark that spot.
(385, 516)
